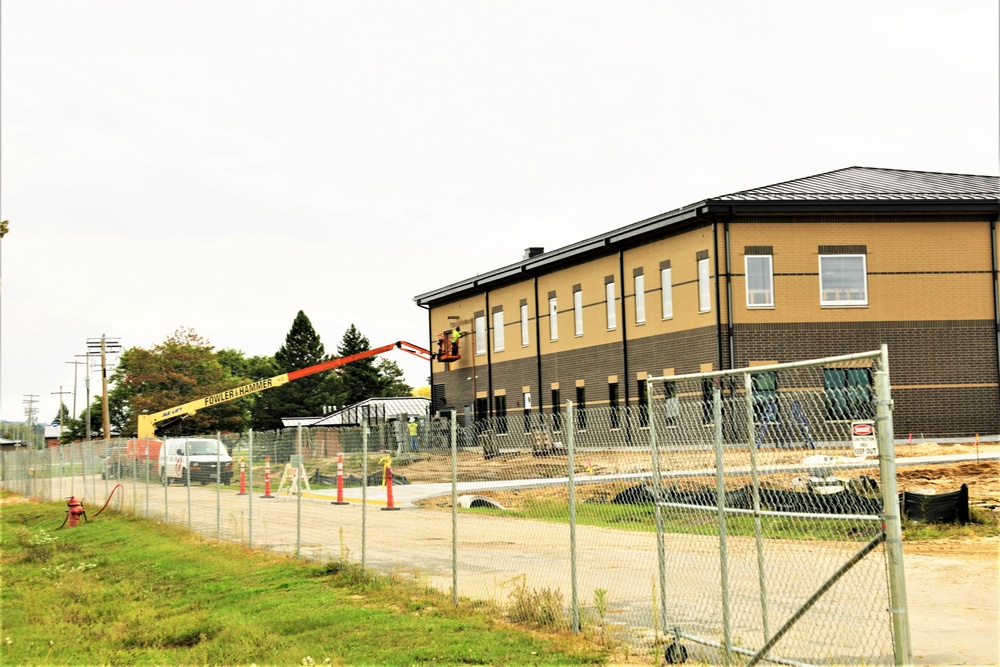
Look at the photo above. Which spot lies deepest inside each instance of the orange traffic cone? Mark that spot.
(340, 481)
(267, 478)
(243, 479)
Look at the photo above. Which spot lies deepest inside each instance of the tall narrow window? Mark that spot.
(843, 280)
(556, 411)
(640, 297)
(526, 396)
(848, 393)
(482, 405)
(671, 405)
(524, 323)
(666, 290)
(498, 329)
(438, 401)
(643, 403)
(708, 401)
(553, 318)
(760, 281)
(704, 291)
(581, 408)
(577, 311)
(480, 333)
(613, 404)
(765, 397)
(609, 298)
(500, 406)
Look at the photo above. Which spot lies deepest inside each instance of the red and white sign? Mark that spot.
(863, 428)
(863, 439)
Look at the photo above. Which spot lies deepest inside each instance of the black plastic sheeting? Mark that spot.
(374, 479)
(939, 508)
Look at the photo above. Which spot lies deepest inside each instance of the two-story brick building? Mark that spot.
(823, 265)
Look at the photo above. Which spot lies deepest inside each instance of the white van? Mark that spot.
(205, 459)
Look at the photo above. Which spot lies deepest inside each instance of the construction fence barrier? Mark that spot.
(735, 517)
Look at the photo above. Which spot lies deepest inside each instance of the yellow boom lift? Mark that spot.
(148, 423)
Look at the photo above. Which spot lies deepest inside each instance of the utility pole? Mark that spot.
(75, 365)
(61, 414)
(106, 346)
(86, 385)
(29, 416)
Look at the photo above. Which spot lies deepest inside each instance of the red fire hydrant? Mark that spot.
(75, 511)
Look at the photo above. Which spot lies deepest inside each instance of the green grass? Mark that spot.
(124, 590)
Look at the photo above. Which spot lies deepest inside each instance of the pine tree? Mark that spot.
(361, 379)
(306, 396)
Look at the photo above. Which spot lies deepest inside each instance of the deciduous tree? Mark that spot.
(181, 369)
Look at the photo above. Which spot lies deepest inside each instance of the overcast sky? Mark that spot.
(223, 165)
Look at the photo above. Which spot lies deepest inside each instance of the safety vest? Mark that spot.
(412, 426)
(455, 335)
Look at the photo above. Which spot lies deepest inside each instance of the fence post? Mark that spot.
(755, 484)
(570, 441)
(890, 512)
(364, 491)
(165, 483)
(720, 501)
(657, 484)
(454, 510)
(250, 499)
(298, 490)
(218, 486)
(187, 479)
(146, 466)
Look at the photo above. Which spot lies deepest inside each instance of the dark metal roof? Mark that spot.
(867, 183)
(852, 189)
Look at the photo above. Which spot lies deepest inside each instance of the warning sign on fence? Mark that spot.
(863, 439)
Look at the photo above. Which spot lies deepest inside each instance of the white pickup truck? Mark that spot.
(200, 460)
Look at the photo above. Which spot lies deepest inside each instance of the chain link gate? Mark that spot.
(778, 536)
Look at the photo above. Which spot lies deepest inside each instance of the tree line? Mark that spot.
(186, 367)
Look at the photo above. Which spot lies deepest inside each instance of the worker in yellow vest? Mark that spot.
(414, 440)
(456, 333)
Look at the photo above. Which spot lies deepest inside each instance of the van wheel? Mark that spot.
(184, 478)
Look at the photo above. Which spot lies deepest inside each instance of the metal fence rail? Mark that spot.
(634, 523)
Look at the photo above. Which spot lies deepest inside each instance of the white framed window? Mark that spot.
(553, 319)
(640, 299)
(524, 325)
(609, 297)
(760, 281)
(704, 287)
(480, 334)
(667, 293)
(843, 280)
(578, 312)
(498, 331)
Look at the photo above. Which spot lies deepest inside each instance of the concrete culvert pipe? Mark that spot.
(478, 501)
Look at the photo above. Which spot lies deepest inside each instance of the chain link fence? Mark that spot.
(697, 526)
